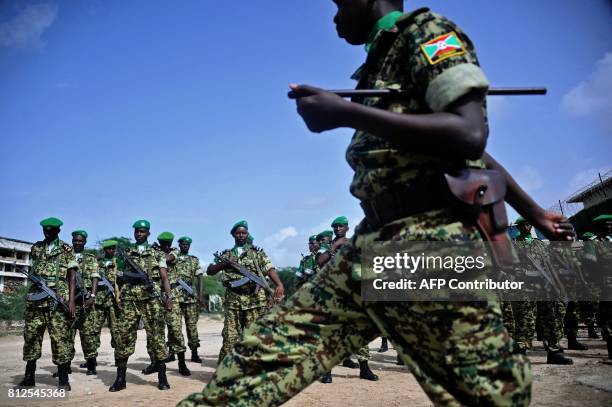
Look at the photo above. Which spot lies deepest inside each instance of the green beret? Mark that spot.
(520, 220)
(241, 223)
(250, 239)
(326, 233)
(109, 243)
(166, 236)
(185, 239)
(312, 238)
(142, 223)
(588, 235)
(340, 220)
(602, 218)
(51, 222)
(79, 233)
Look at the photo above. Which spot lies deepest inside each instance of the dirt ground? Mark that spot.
(587, 382)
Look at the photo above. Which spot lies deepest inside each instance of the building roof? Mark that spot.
(593, 188)
(15, 244)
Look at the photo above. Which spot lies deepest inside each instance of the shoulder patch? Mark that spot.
(442, 47)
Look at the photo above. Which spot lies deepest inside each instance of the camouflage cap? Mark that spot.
(142, 223)
(240, 223)
(340, 220)
(325, 233)
(79, 233)
(109, 243)
(165, 236)
(312, 238)
(602, 218)
(185, 239)
(51, 223)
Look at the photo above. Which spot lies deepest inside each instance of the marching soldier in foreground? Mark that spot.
(189, 271)
(247, 301)
(107, 294)
(143, 275)
(52, 262)
(87, 285)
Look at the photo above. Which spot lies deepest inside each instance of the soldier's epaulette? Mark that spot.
(193, 257)
(39, 243)
(408, 18)
(257, 248)
(66, 246)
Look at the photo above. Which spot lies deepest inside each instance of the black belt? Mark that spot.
(403, 202)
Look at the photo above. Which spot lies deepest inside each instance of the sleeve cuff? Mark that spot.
(454, 83)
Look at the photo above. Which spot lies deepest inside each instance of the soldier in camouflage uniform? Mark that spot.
(340, 228)
(460, 353)
(141, 301)
(551, 312)
(308, 266)
(87, 283)
(189, 270)
(176, 341)
(53, 261)
(107, 307)
(246, 303)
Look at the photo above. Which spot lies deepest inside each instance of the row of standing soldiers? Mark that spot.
(139, 286)
(553, 319)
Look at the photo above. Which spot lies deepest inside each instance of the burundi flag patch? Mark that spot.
(442, 47)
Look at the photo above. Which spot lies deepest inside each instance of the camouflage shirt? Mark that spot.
(188, 268)
(88, 268)
(150, 261)
(307, 269)
(398, 60)
(249, 295)
(108, 267)
(51, 262)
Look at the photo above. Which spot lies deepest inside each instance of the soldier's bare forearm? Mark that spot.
(460, 132)
(163, 273)
(94, 286)
(214, 269)
(275, 278)
(72, 285)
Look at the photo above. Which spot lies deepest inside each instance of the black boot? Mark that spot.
(326, 378)
(56, 374)
(365, 372)
(170, 358)
(399, 361)
(63, 381)
(349, 363)
(557, 358)
(161, 376)
(119, 380)
(593, 332)
(573, 344)
(91, 366)
(28, 379)
(609, 348)
(152, 368)
(194, 355)
(182, 366)
(83, 365)
(384, 346)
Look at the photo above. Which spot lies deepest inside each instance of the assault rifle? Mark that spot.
(104, 283)
(248, 275)
(139, 274)
(185, 287)
(45, 291)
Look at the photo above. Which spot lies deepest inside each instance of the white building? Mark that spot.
(13, 253)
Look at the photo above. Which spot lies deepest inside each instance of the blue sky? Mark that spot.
(176, 112)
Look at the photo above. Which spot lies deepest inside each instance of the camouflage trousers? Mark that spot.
(551, 315)
(363, 354)
(460, 353)
(108, 314)
(236, 320)
(191, 313)
(86, 325)
(605, 319)
(152, 316)
(37, 319)
(571, 320)
(174, 322)
(508, 317)
(588, 312)
(524, 313)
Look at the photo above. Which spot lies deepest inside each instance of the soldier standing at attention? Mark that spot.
(246, 303)
(107, 307)
(340, 228)
(460, 353)
(87, 280)
(52, 261)
(138, 301)
(189, 270)
(308, 266)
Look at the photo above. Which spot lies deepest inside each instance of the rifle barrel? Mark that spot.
(506, 91)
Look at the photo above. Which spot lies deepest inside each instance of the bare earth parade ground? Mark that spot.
(588, 381)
